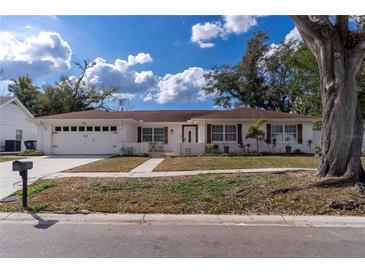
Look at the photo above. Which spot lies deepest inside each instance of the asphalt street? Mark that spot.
(168, 240)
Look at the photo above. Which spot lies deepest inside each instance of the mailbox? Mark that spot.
(21, 166)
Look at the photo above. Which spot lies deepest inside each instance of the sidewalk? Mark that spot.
(142, 219)
(147, 166)
(132, 174)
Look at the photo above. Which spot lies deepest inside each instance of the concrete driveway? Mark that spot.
(10, 181)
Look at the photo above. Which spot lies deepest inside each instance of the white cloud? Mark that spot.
(205, 32)
(119, 74)
(149, 97)
(205, 45)
(293, 35)
(183, 86)
(140, 58)
(239, 23)
(36, 55)
(202, 34)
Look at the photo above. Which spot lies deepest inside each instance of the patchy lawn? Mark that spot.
(10, 158)
(238, 162)
(202, 194)
(113, 164)
(233, 162)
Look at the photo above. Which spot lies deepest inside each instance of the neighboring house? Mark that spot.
(15, 123)
(176, 132)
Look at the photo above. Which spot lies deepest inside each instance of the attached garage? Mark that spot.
(85, 140)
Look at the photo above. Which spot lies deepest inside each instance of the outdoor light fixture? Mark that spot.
(171, 131)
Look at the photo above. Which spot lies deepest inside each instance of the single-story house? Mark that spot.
(16, 124)
(176, 132)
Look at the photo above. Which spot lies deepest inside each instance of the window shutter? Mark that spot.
(166, 134)
(209, 133)
(139, 134)
(300, 134)
(268, 133)
(239, 131)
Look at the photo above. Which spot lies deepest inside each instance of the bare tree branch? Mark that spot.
(342, 23)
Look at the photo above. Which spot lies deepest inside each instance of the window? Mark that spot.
(217, 133)
(57, 128)
(230, 133)
(66, 129)
(73, 128)
(97, 128)
(81, 128)
(89, 128)
(153, 135)
(147, 134)
(105, 128)
(290, 133)
(113, 128)
(158, 135)
(18, 134)
(284, 133)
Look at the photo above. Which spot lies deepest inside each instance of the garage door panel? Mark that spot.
(85, 143)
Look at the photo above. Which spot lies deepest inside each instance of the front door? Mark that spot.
(190, 134)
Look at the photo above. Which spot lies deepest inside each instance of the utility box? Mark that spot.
(12, 145)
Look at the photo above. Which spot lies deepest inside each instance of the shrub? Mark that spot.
(31, 152)
(211, 148)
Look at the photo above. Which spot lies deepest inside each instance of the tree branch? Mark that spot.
(342, 22)
(305, 25)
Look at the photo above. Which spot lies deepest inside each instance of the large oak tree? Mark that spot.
(338, 44)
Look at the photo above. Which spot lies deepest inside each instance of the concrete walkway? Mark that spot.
(133, 174)
(188, 219)
(147, 166)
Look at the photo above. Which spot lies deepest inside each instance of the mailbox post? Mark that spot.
(23, 167)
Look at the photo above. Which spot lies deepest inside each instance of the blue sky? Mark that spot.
(168, 59)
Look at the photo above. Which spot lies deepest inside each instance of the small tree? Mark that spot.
(255, 132)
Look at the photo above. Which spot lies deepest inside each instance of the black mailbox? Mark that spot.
(21, 166)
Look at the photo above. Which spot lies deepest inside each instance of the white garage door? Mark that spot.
(81, 141)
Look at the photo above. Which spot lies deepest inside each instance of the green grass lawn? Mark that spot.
(10, 158)
(201, 194)
(113, 164)
(234, 162)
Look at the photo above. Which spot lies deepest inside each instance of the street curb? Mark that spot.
(171, 219)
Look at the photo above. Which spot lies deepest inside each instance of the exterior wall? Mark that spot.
(174, 130)
(128, 131)
(279, 148)
(12, 118)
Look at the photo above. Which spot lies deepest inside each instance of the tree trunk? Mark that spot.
(339, 59)
(257, 144)
(342, 126)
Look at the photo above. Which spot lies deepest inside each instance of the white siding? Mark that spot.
(12, 118)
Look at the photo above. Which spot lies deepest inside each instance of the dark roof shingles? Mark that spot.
(250, 113)
(175, 115)
(147, 116)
